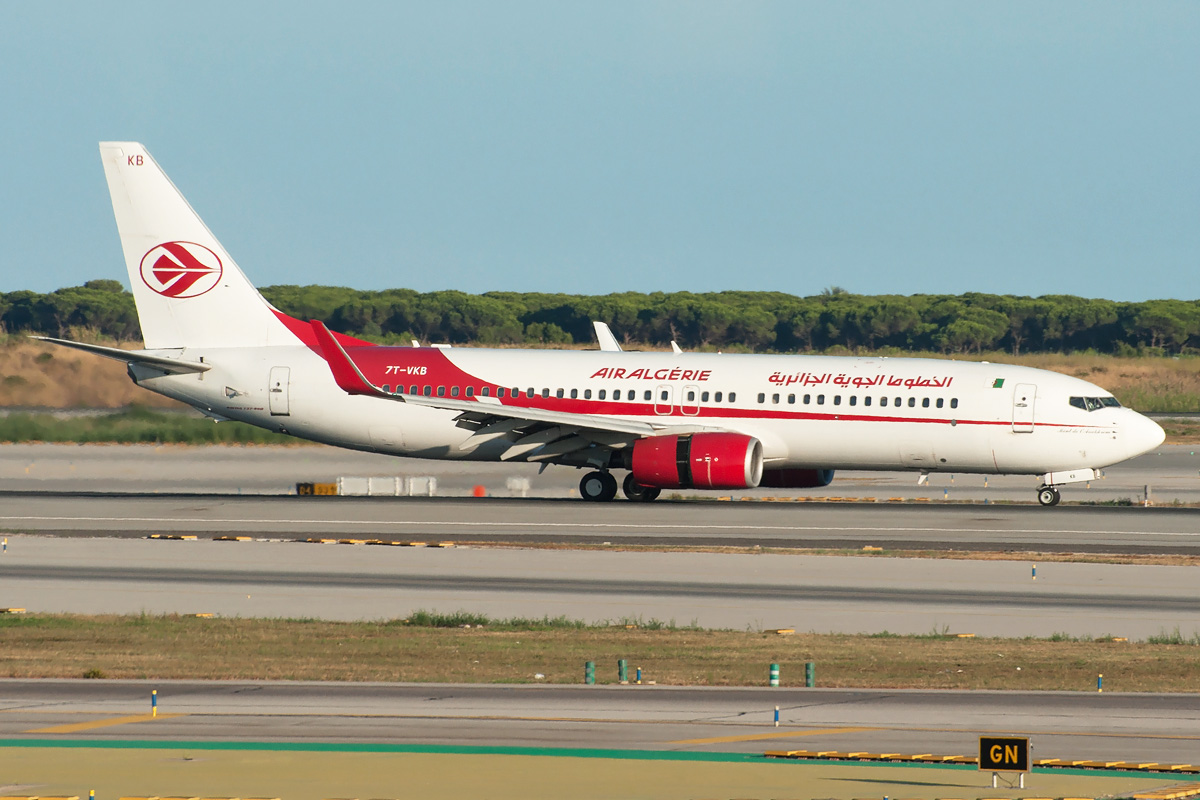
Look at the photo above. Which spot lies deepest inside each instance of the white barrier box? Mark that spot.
(388, 486)
(518, 486)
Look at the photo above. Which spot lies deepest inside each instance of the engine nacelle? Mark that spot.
(698, 461)
(796, 478)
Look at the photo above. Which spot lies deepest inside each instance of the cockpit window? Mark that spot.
(1095, 403)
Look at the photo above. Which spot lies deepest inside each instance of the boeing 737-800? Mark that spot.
(671, 420)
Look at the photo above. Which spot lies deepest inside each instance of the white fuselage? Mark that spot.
(820, 412)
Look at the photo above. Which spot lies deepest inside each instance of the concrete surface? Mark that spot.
(713, 590)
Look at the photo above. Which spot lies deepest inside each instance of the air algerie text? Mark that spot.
(616, 373)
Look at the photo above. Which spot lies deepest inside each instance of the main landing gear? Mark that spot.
(638, 493)
(1049, 495)
(598, 487)
(602, 486)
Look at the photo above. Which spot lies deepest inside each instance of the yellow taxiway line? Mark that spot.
(76, 727)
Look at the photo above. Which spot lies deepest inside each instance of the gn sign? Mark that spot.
(1003, 754)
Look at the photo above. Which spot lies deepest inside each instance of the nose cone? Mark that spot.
(1144, 434)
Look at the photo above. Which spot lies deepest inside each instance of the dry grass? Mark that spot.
(181, 647)
(1146, 384)
(33, 374)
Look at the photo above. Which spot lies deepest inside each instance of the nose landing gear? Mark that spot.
(1049, 496)
(598, 487)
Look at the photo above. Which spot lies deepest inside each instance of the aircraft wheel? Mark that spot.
(635, 491)
(598, 486)
(1049, 496)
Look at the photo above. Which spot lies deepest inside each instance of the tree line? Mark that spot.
(746, 321)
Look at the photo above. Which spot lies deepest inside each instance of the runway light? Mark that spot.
(154, 703)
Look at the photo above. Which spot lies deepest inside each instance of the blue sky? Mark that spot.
(917, 147)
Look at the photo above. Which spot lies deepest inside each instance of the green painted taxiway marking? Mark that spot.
(559, 752)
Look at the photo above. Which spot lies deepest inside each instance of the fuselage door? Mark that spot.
(1024, 397)
(664, 398)
(278, 391)
(689, 403)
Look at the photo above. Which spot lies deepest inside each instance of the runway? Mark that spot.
(712, 524)
(1116, 727)
(1172, 474)
(712, 590)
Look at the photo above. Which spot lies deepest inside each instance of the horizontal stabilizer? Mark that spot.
(174, 366)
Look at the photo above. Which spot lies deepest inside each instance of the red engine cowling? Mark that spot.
(796, 478)
(698, 461)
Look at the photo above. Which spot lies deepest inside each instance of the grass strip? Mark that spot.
(517, 651)
(133, 426)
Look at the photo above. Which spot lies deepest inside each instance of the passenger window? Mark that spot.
(387, 389)
(470, 391)
(616, 394)
(545, 392)
(820, 399)
(912, 402)
(762, 398)
(574, 394)
(867, 400)
(853, 399)
(441, 391)
(837, 399)
(516, 392)
(602, 394)
(775, 399)
(924, 402)
(717, 397)
(412, 390)
(665, 395)
(647, 395)
(454, 391)
(691, 397)
(791, 399)
(883, 401)
(954, 402)
(733, 397)
(559, 394)
(500, 391)
(427, 390)
(899, 402)
(530, 392)
(940, 402)
(704, 397)
(587, 394)
(807, 399)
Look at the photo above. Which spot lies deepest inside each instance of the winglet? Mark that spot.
(345, 371)
(604, 336)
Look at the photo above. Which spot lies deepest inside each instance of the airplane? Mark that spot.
(673, 420)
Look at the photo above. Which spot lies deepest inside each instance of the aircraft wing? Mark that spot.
(174, 366)
(538, 434)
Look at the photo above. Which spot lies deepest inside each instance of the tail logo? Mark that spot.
(181, 269)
